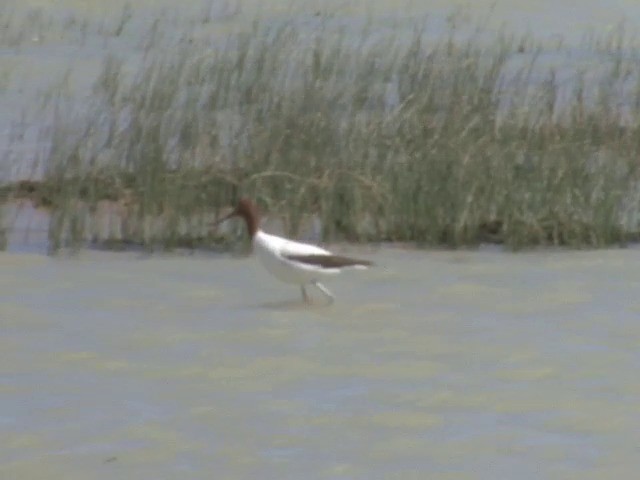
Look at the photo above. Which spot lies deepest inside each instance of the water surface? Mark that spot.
(432, 365)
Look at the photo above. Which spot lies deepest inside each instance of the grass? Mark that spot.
(451, 138)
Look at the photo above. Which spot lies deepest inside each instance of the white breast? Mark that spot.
(271, 250)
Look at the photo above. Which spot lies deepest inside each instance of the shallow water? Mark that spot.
(432, 365)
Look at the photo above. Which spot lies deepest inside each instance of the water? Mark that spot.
(432, 365)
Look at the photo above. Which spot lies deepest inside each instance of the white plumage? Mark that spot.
(289, 261)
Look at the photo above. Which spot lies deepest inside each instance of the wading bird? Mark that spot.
(292, 262)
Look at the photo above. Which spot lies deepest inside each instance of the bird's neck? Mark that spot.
(253, 225)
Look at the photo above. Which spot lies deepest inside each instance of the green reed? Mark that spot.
(384, 136)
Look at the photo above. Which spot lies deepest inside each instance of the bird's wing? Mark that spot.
(291, 248)
(329, 261)
(316, 257)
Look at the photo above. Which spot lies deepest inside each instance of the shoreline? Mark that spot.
(230, 239)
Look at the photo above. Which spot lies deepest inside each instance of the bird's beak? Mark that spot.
(226, 217)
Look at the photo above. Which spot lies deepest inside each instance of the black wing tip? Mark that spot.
(330, 261)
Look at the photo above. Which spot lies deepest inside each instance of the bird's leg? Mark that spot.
(305, 297)
(324, 290)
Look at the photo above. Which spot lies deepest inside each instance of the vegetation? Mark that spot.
(400, 136)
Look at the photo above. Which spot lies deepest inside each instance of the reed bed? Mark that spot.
(394, 135)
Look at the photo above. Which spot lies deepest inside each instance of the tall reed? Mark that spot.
(392, 136)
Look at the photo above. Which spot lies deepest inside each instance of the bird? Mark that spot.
(289, 261)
